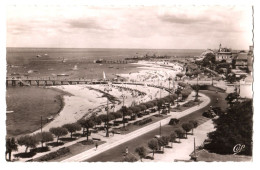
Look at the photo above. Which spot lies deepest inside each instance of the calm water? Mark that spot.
(25, 62)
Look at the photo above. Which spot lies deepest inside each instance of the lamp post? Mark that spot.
(123, 97)
(169, 93)
(108, 89)
(197, 89)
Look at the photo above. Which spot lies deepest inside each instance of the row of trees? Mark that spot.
(156, 144)
(31, 141)
(184, 90)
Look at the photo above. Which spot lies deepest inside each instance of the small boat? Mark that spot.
(75, 67)
(63, 60)
(62, 75)
(110, 67)
(9, 111)
(45, 54)
(38, 56)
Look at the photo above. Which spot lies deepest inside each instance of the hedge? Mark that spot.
(53, 155)
(143, 122)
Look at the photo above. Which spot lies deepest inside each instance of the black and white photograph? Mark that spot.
(137, 83)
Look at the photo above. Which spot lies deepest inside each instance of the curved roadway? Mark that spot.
(116, 154)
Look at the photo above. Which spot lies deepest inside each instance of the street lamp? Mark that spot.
(108, 89)
(197, 89)
(123, 97)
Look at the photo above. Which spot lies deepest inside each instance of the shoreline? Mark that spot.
(75, 103)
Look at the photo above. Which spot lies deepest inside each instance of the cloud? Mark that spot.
(127, 27)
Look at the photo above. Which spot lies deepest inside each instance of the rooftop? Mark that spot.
(242, 56)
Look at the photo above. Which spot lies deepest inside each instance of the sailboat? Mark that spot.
(63, 60)
(75, 67)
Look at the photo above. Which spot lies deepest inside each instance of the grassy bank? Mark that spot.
(28, 105)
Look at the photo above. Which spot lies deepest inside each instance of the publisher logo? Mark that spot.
(238, 148)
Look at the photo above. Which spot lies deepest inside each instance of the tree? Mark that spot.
(180, 75)
(143, 107)
(159, 106)
(95, 119)
(153, 145)
(58, 132)
(194, 123)
(73, 127)
(208, 60)
(117, 114)
(10, 146)
(163, 141)
(172, 98)
(87, 124)
(124, 112)
(189, 74)
(234, 127)
(180, 134)
(28, 141)
(231, 97)
(185, 93)
(187, 127)
(172, 137)
(231, 78)
(178, 92)
(44, 137)
(141, 151)
(136, 109)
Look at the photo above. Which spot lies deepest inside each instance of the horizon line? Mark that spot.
(124, 48)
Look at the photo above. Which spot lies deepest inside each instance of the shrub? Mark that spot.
(143, 122)
(129, 158)
(189, 104)
(56, 154)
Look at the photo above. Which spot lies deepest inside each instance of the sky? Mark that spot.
(149, 27)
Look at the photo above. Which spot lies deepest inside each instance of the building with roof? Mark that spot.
(242, 60)
(224, 54)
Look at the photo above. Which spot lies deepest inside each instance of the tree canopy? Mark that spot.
(141, 151)
(44, 137)
(235, 127)
(29, 141)
(72, 127)
(59, 131)
(153, 145)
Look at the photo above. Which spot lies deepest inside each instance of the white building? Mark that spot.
(246, 87)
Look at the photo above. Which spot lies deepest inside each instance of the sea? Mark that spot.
(26, 102)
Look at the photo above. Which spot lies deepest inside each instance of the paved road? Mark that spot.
(116, 154)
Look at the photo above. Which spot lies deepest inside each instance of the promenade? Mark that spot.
(120, 139)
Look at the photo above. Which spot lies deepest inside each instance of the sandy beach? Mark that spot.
(85, 100)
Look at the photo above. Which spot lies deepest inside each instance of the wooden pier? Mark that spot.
(48, 81)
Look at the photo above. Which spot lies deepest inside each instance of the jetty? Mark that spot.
(49, 81)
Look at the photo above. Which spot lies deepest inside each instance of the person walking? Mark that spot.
(126, 151)
(96, 145)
